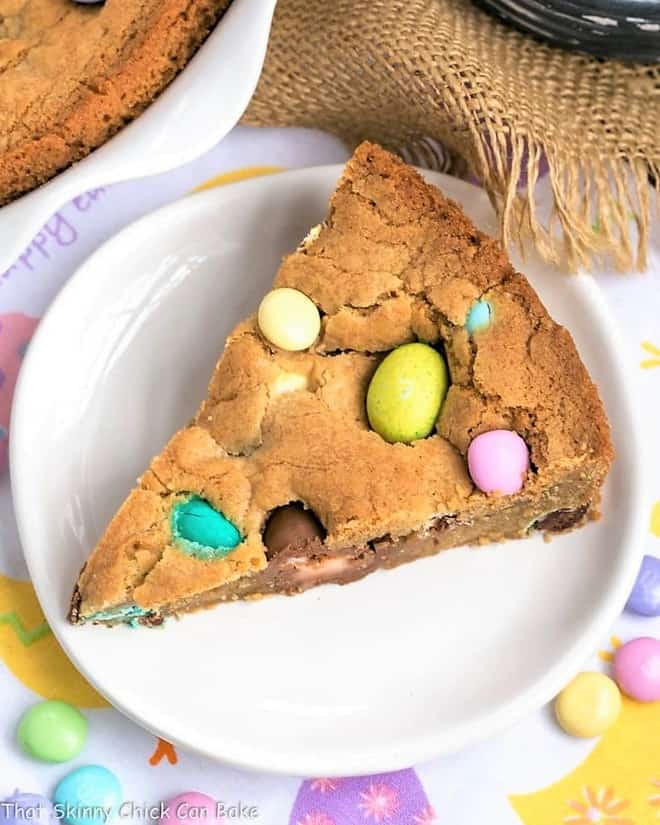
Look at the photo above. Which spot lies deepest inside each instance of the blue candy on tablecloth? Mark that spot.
(22, 808)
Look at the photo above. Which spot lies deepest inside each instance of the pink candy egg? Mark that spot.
(498, 461)
(191, 808)
(637, 669)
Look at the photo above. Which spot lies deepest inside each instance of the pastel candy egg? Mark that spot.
(406, 393)
(90, 795)
(289, 319)
(637, 669)
(203, 531)
(498, 461)
(479, 317)
(645, 597)
(52, 731)
(189, 808)
(588, 705)
(27, 809)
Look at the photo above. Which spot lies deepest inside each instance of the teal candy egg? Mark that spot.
(202, 531)
(406, 393)
(90, 795)
(479, 317)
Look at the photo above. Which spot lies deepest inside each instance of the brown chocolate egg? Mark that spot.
(289, 526)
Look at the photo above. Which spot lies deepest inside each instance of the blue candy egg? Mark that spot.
(479, 317)
(645, 597)
(202, 531)
(90, 795)
(21, 808)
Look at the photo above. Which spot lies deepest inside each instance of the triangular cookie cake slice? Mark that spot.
(402, 390)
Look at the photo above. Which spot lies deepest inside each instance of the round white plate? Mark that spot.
(375, 676)
(196, 110)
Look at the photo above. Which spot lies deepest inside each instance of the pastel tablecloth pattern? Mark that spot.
(532, 773)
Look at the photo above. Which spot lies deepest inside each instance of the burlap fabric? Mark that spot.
(411, 73)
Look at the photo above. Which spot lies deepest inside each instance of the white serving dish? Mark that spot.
(195, 111)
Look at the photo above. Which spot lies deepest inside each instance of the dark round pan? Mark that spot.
(623, 29)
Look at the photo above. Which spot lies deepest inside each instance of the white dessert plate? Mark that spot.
(374, 676)
(195, 111)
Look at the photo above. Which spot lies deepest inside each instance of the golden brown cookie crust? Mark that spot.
(278, 427)
(71, 75)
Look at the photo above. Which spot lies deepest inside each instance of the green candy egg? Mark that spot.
(52, 731)
(202, 531)
(406, 393)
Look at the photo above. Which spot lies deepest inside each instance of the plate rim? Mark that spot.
(423, 748)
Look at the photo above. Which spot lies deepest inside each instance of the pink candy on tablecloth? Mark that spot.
(498, 461)
(637, 669)
(15, 332)
(191, 808)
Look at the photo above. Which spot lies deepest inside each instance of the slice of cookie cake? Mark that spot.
(402, 390)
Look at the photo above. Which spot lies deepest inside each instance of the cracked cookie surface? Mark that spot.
(395, 261)
(71, 75)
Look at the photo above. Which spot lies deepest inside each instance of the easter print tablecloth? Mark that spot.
(532, 773)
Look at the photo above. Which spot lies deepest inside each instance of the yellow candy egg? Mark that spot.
(588, 705)
(289, 319)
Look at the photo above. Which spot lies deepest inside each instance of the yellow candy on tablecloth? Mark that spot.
(588, 705)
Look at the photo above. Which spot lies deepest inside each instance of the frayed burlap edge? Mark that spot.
(449, 88)
(601, 208)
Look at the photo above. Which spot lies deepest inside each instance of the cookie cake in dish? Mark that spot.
(73, 73)
(401, 390)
